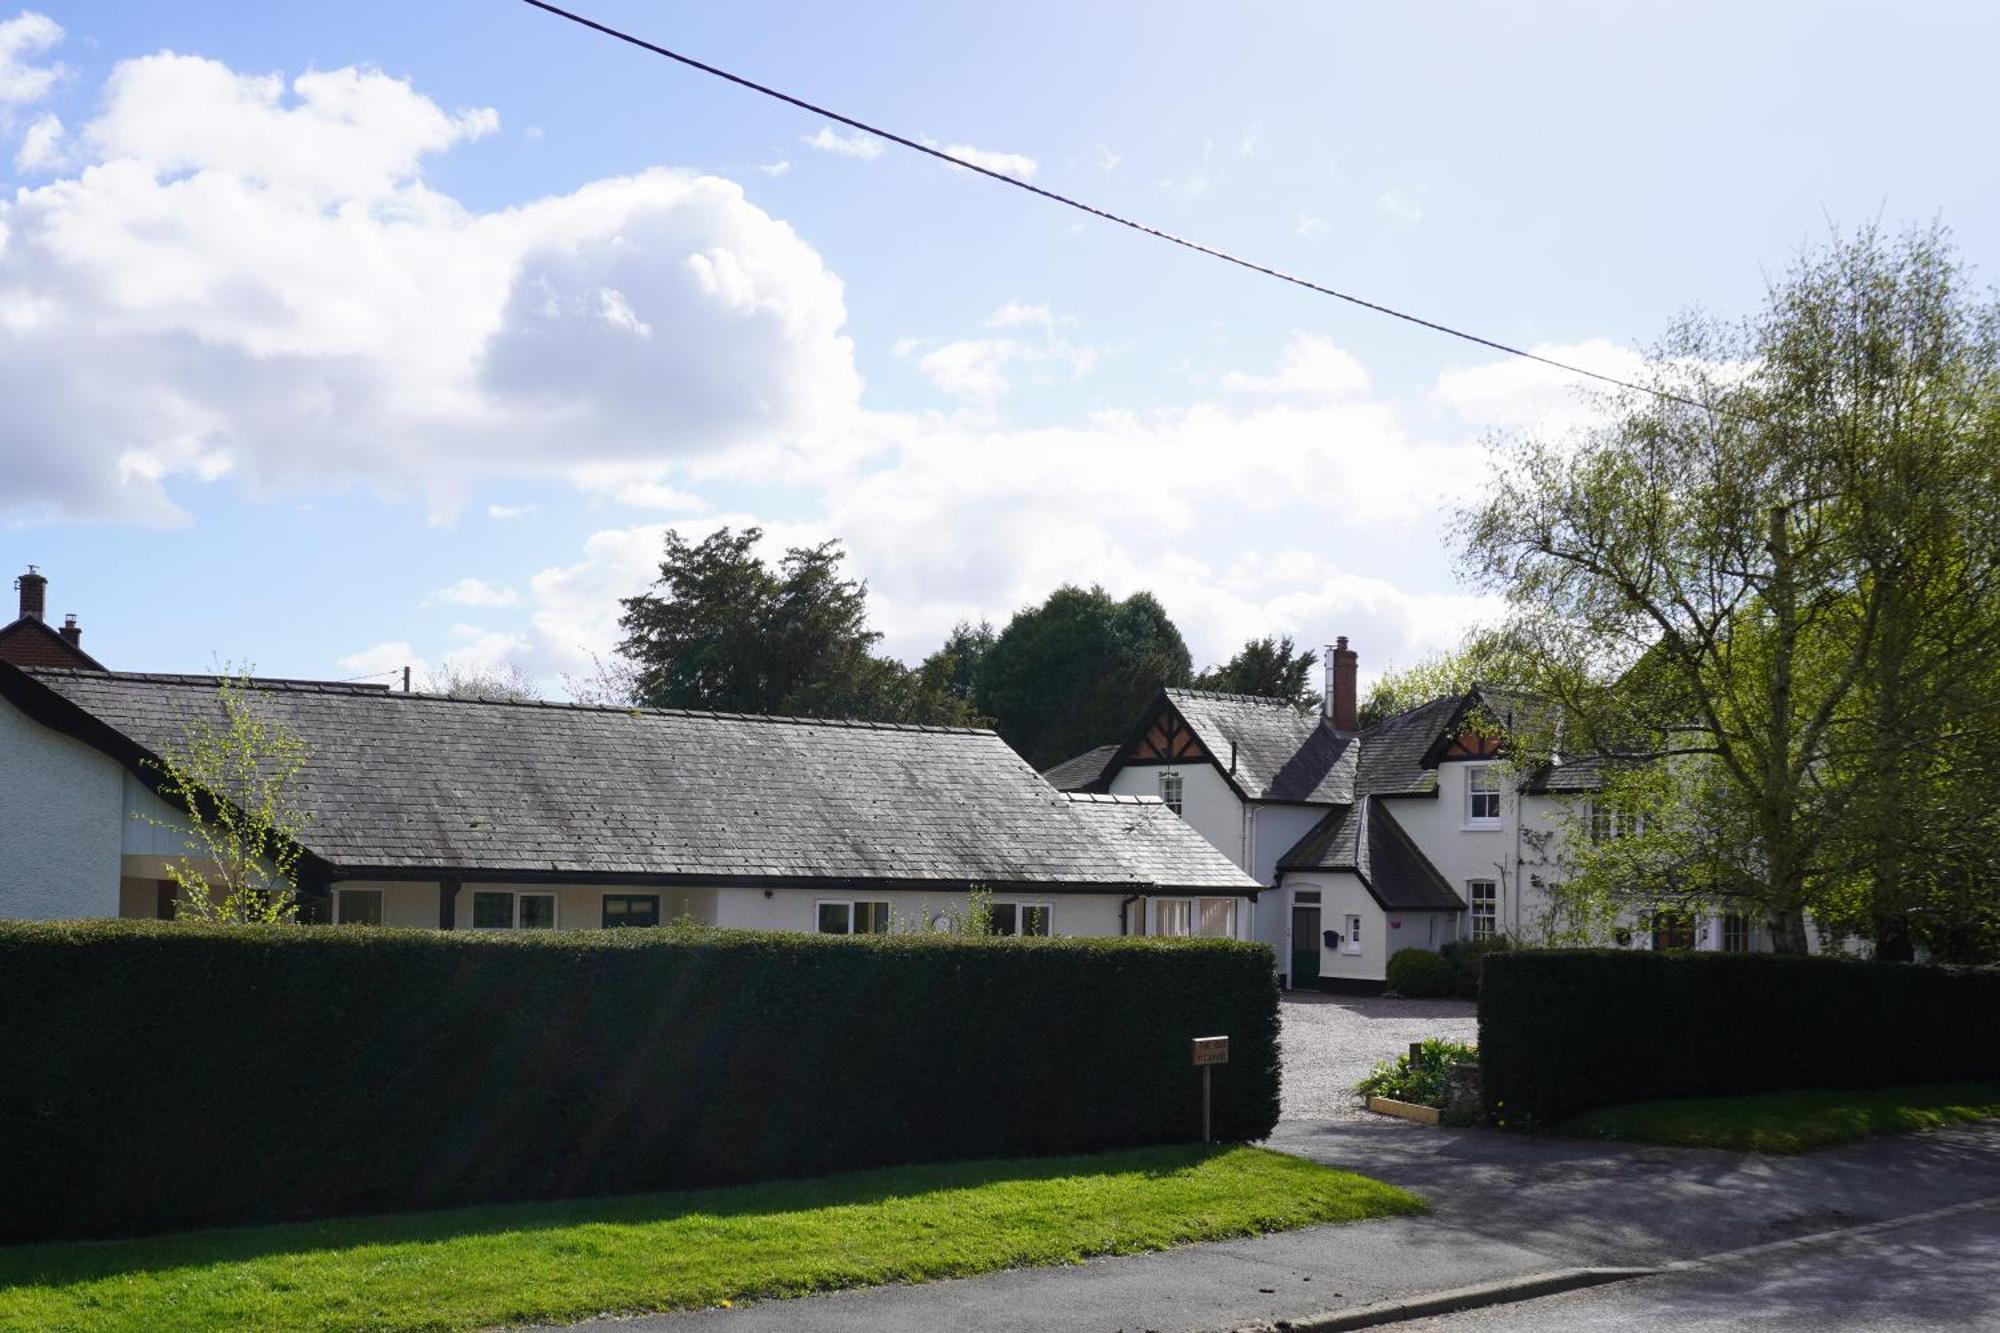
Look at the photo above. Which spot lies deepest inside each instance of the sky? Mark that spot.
(335, 338)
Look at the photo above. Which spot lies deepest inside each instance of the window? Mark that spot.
(631, 909)
(1736, 933)
(1022, 918)
(1482, 796)
(1484, 895)
(1673, 930)
(535, 911)
(165, 904)
(492, 911)
(358, 907)
(1351, 941)
(841, 916)
(1173, 916)
(1608, 823)
(497, 909)
(1170, 790)
(1218, 918)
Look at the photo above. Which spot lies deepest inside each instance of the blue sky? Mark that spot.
(414, 358)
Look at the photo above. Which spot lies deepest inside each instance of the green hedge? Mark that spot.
(1562, 1031)
(162, 1075)
(1421, 974)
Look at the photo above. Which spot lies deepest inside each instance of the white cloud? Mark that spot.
(385, 660)
(26, 35)
(1310, 366)
(1306, 224)
(1107, 160)
(1018, 165)
(508, 513)
(1404, 206)
(290, 303)
(829, 140)
(1516, 394)
(1252, 142)
(980, 370)
(473, 592)
(41, 144)
(776, 168)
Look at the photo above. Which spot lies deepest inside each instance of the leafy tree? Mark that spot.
(501, 684)
(1268, 667)
(1770, 599)
(722, 630)
(1075, 671)
(1482, 658)
(235, 783)
(955, 667)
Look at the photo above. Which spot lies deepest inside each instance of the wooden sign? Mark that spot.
(1210, 1051)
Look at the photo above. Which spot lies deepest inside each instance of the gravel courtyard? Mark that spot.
(1332, 1041)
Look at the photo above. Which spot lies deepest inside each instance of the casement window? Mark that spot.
(1736, 933)
(357, 907)
(1482, 796)
(845, 916)
(1170, 790)
(631, 909)
(1350, 939)
(1022, 918)
(1484, 895)
(1217, 919)
(496, 909)
(1673, 930)
(1173, 916)
(1608, 823)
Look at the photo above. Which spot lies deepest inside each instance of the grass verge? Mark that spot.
(1789, 1122)
(523, 1263)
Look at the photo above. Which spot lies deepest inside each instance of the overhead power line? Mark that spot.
(929, 150)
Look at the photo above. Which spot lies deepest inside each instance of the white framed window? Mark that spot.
(1023, 918)
(1217, 918)
(1482, 796)
(1608, 823)
(1170, 789)
(1736, 933)
(1350, 938)
(1173, 916)
(1484, 895)
(847, 916)
(498, 909)
(357, 907)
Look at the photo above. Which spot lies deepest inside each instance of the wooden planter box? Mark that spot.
(1423, 1115)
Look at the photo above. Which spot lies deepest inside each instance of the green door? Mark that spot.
(1305, 947)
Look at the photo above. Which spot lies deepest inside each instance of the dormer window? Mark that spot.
(1482, 796)
(1170, 790)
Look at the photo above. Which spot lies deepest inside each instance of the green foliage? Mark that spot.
(234, 788)
(1268, 667)
(1780, 583)
(1482, 659)
(722, 630)
(1422, 974)
(168, 1076)
(1789, 1122)
(1563, 1031)
(554, 1263)
(1468, 959)
(1078, 670)
(1421, 1077)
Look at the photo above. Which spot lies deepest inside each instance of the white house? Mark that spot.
(453, 814)
(1410, 833)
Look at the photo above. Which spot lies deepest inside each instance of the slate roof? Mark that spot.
(1082, 771)
(1393, 750)
(1279, 753)
(1157, 845)
(412, 782)
(1365, 839)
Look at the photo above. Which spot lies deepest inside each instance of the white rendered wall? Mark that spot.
(60, 804)
(1207, 803)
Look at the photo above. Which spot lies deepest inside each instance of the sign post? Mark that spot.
(1206, 1053)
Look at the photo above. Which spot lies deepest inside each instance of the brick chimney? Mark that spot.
(1341, 703)
(71, 632)
(34, 594)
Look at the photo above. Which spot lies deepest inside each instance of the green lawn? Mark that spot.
(1789, 1122)
(552, 1261)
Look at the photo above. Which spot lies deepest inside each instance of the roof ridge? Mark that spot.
(275, 684)
(1190, 692)
(1113, 798)
(713, 714)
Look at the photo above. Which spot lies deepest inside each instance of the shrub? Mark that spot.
(162, 1076)
(1469, 957)
(1562, 1031)
(1421, 974)
(1422, 1076)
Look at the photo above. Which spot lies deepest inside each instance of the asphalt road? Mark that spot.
(1935, 1276)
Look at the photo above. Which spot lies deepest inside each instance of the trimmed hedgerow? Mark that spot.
(163, 1075)
(1562, 1031)
(1422, 974)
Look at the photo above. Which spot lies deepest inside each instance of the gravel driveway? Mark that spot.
(1332, 1041)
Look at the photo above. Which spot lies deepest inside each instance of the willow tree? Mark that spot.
(1759, 592)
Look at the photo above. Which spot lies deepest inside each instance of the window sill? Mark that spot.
(1484, 826)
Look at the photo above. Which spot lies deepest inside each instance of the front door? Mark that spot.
(1305, 948)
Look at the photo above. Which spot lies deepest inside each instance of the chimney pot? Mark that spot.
(34, 594)
(1342, 706)
(71, 632)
